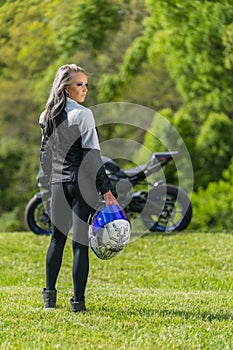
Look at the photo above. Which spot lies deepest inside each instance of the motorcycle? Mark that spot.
(160, 206)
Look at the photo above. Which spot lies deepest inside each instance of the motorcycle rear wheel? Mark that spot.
(37, 217)
(168, 209)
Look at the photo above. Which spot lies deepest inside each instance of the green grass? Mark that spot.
(171, 292)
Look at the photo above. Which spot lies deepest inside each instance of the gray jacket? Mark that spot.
(72, 152)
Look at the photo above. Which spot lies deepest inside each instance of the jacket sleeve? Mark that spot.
(45, 155)
(93, 164)
(91, 152)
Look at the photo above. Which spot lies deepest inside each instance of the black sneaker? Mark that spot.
(50, 298)
(78, 306)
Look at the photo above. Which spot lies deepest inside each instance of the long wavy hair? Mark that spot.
(57, 97)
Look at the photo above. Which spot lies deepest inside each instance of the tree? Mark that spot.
(214, 148)
(228, 44)
(168, 133)
(27, 38)
(172, 56)
(194, 37)
(89, 25)
(213, 205)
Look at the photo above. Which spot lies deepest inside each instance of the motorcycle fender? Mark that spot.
(43, 194)
(38, 195)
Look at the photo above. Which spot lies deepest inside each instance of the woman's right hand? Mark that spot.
(110, 199)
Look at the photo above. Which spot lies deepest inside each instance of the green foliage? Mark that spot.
(172, 56)
(187, 130)
(170, 132)
(213, 206)
(18, 168)
(150, 86)
(191, 36)
(214, 147)
(108, 87)
(134, 57)
(11, 156)
(26, 37)
(171, 292)
(9, 221)
(89, 25)
(228, 44)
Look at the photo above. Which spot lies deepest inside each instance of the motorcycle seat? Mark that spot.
(134, 171)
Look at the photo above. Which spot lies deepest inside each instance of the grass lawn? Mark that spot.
(172, 292)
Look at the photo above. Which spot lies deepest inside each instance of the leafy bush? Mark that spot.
(18, 167)
(9, 222)
(213, 206)
(214, 147)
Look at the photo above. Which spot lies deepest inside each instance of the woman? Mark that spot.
(70, 157)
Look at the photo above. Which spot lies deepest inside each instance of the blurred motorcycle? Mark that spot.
(162, 207)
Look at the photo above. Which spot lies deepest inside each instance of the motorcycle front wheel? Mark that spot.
(167, 209)
(37, 217)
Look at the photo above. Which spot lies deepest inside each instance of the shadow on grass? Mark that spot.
(165, 234)
(138, 234)
(186, 315)
(205, 315)
(183, 232)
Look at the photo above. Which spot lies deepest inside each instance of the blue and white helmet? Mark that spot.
(109, 231)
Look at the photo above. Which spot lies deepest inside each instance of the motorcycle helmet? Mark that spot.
(109, 231)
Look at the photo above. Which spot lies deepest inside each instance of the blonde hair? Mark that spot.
(57, 97)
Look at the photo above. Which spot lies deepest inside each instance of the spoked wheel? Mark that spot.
(37, 217)
(168, 209)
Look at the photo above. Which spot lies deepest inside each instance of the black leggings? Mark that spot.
(68, 208)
